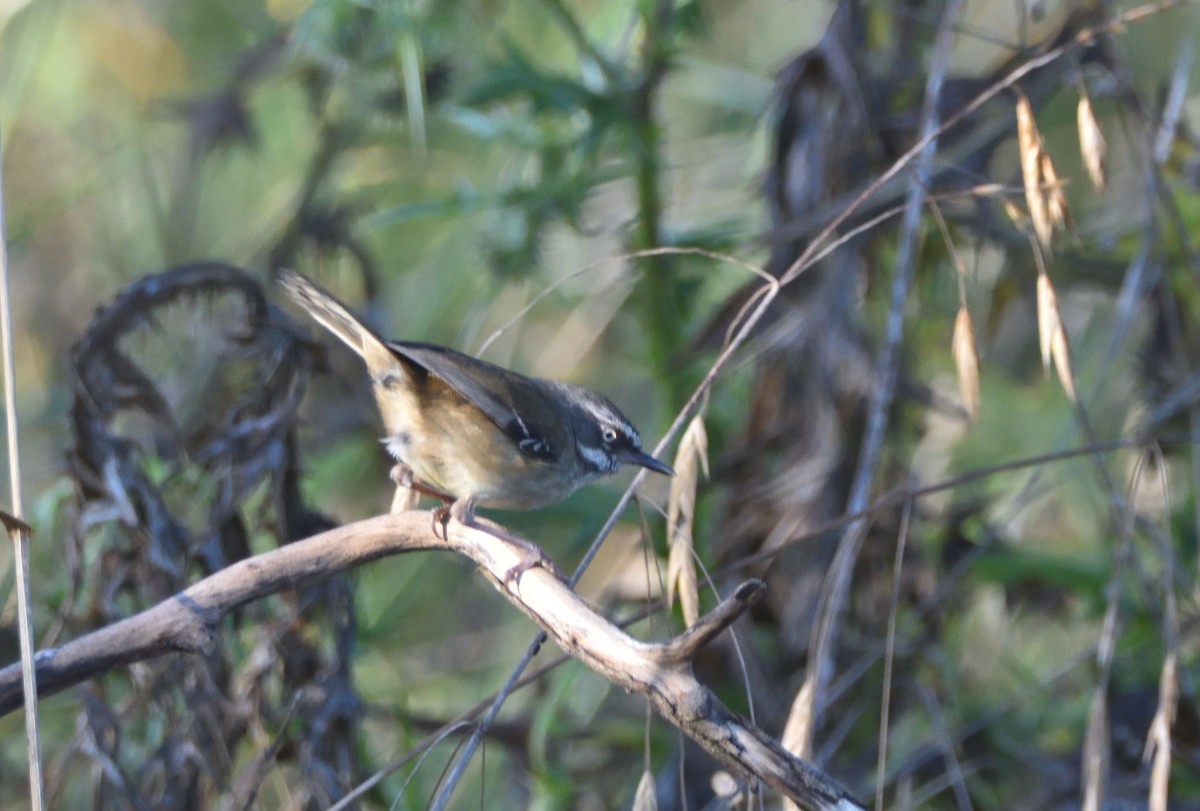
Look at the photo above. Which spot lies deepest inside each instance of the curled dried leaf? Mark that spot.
(966, 362)
(1029, 145)
(690, 462)
(1091, 142)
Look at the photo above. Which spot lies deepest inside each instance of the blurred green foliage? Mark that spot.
(449, 160)
(444, 165)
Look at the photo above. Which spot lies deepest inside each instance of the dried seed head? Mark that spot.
(690, 461)
(1052, 336)
(1029, 144)
(1091, 142)
(966, 362)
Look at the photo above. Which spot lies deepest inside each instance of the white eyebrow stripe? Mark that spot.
(600, 415)
(605, 416)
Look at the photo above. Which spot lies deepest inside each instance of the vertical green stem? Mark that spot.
(661, 305)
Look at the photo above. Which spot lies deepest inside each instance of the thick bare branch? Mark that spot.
(187, 622)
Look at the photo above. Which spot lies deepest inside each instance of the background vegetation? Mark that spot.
(456, 167)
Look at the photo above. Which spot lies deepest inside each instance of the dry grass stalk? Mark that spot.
(19, 532)
(966, 362)
(644, 799)
(1029, 144)
(1158, 741)
(1096, 746)
(1052, 336)
(1091, 141)
(690, 462)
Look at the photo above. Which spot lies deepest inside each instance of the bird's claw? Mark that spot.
(533, 558)
(441, 515)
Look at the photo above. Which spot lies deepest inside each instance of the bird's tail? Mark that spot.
(333, 315)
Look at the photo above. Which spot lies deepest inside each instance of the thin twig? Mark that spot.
(437, 736)
(485, 723)
(768, 292)
(899, 497)
(835, 593)
(1096, 739)
(247, 787)
(889, 654)
(19, 536)
(464, 717)
(819, 246)
(1158, 739)
(954, 772)
(1082, 39)
(424, 752)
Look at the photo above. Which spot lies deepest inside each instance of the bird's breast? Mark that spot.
(451, 446)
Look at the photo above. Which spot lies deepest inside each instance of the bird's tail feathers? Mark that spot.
(333, 315)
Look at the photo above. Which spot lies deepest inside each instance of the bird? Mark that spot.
(474, 434)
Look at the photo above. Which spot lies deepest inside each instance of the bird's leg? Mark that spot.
(406, 495)
(402, 475)
(463, 511)
(406, 487)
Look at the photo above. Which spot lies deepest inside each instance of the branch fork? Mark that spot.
(662, 672)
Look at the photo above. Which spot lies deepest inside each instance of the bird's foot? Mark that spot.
(532, 559)
(532, 555)
(441, 517)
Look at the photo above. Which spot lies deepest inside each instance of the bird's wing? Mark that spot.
(492, 390)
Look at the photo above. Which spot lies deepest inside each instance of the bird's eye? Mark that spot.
(610, 435)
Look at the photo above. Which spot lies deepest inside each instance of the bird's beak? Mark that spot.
(645, 460)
